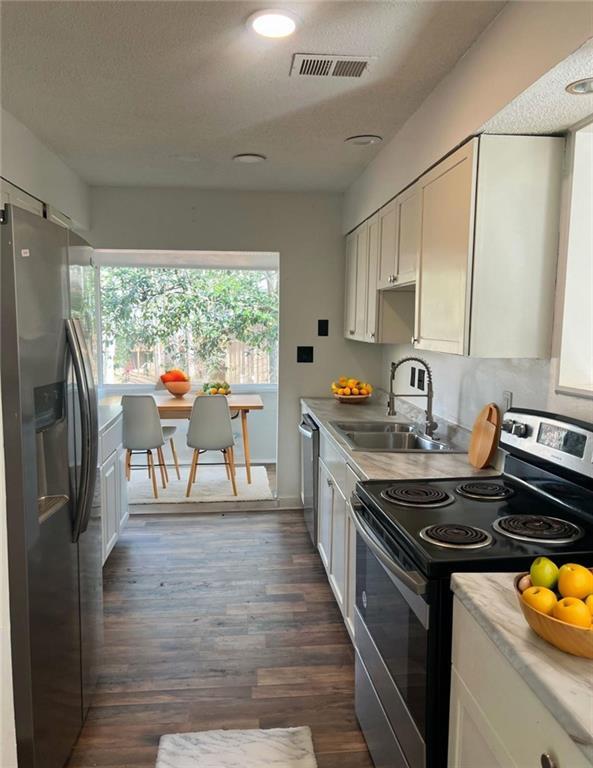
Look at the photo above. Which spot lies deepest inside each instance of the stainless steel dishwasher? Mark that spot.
(309, 432)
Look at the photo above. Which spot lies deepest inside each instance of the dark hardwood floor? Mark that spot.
(219, 621)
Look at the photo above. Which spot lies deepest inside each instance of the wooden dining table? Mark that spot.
(170, 407)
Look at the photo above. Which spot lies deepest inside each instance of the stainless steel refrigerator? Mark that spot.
(53, 513)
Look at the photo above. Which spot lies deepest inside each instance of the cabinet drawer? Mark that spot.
(334, 461)
(110, 440)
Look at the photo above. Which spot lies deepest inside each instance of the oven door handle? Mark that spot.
(412, 579)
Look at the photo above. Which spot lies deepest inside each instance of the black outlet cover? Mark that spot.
(413, 376)
(304, 354)
(323, 327)
(421, 376)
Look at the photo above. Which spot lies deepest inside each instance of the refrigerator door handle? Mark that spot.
(89, 438)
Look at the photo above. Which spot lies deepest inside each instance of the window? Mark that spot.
(214, 323)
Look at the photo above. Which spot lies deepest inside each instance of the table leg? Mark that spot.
(246, 445)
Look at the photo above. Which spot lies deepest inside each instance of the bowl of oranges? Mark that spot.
(557, 603)
(176, 382)
(349, 390)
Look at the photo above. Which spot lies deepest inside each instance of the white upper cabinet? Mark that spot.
(371, 315)
(387, 243)
(489, 242)
(447, 219)
(409, 206)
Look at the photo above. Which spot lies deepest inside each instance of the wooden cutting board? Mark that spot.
(484, 439)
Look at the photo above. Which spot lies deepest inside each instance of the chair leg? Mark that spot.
(231, 460)
(191, 473)
(175, 459)
(195, 475)
(152, 474)
(128, 463)
(162, 467)
(226, 466)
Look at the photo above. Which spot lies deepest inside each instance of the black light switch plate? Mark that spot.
(323, 327)
(413, 376)
(304, 354)
(421, 375)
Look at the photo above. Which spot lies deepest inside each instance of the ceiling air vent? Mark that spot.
(325, 65)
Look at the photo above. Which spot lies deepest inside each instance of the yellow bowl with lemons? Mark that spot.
(351, 390)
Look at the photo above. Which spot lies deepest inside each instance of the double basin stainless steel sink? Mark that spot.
(387, 437)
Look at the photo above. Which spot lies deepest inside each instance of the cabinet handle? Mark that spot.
(351, 332)
(329, 481)
(414, 340)
(395, 278)
(372, 335)
(548, 761)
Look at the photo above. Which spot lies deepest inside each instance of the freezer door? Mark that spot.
(43, 559)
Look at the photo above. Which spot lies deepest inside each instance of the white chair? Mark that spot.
(210, 429)
(143, 433)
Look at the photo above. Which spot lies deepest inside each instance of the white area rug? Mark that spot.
(212, 485)
(277, 748)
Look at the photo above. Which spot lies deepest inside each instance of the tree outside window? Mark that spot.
(214, 323)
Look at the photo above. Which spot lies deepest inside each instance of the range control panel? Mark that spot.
(557, 439)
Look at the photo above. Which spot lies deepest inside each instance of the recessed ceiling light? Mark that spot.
(187, 158)
(581, 87)
(273, 23)
(249, 157)
(364, 139)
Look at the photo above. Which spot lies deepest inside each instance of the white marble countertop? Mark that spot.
(392, 466)
(563, 683)
(107, 413)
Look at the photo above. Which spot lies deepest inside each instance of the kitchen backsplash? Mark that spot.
(462, 385)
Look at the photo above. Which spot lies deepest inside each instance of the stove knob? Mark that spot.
(507, 426)
(519, 430)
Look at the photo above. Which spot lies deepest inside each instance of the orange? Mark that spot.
(572, 611)
(589, 603)
(341, 391)
(355, 391)
(540, 598)
(213, 391)
(347, 391)
(363, 391)
(575, 581)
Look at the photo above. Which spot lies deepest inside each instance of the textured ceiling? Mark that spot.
(546, 107)
(118, 88)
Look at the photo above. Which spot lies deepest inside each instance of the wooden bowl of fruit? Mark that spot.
(351, 390)
(176, 382)
(557, 603)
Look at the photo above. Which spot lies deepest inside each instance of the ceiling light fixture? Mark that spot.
(249, 158)
(363, 139)
(582, 87)
(273, 23)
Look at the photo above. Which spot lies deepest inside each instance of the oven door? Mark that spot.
(392, 620)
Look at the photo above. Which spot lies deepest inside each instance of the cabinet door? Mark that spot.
(371, 330)
(110, 494)
(387, 245)
(444, 279)
(325, 510)
(409, 234)
(350, 286)
(362, 260)
(123, 509)
(338, 568)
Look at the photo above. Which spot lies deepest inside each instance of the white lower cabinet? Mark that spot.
(113, 485)
(325, 505)
(338, 564)
(110, 496)
(496, 721)
(336, 534)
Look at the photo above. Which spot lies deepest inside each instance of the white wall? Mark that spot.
(7, 731)
(29, 164)
(523, 42)
(305, 229)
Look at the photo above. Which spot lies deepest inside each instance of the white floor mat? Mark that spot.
(276, 748)
(212, 485)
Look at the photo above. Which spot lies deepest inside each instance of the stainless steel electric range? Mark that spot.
(411, 536)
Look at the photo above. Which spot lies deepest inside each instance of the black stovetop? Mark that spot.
(404, 524)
